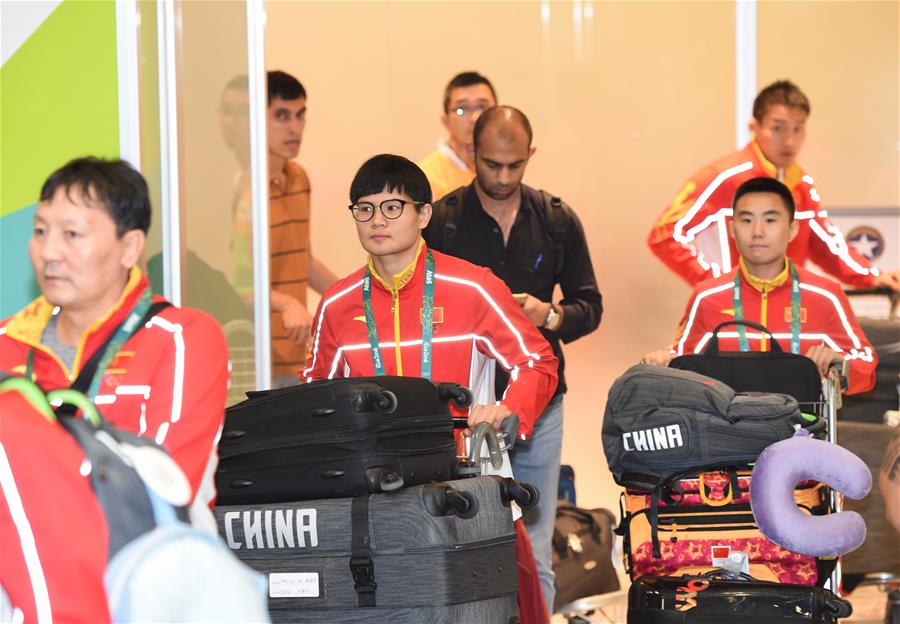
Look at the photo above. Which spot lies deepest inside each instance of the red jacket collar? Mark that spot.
(28, 324)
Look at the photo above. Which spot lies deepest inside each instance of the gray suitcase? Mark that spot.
(431, 553)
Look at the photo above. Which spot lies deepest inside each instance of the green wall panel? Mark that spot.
(58, 100)
(17, 285)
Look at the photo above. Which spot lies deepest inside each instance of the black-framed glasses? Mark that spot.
(390, 208)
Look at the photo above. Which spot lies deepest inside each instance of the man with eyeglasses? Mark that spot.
(450, 166)
(532, 241)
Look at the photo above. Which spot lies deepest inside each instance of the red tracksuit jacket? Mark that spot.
(477, 323)
(167, 382)
(691, 235)
(53, 534)
(825, 317)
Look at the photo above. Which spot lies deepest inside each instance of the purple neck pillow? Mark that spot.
(784, 465)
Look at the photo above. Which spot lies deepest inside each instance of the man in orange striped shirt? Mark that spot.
(292, 266)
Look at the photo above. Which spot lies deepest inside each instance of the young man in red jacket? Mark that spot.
(691, 234)
(806, 312)
(165, 377)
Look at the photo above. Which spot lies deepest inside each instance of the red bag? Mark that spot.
(532, 608)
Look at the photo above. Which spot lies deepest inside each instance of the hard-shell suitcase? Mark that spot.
(440, 552)
(710, 600)
(337, 438)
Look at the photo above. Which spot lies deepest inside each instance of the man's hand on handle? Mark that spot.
(888, 279)
(494, 414)
(660, 357)
(822, 356)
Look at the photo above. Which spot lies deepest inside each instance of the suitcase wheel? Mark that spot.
(381, 479)
(838, 608)
(459, 395)
(379, 399)
(525, 495)
(442, 500)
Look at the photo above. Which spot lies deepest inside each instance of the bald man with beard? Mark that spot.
(532, 241)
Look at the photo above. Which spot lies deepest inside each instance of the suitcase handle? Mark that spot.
(712, 348)
(728, 493)
(454, 393)
(441, 500)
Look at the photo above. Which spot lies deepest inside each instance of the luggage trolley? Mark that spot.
(780, 372)
(773, 371)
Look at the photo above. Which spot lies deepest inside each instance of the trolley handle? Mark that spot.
(838, 374)
(509, 426)
(859, 292)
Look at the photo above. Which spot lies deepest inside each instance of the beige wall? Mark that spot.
(846, 57)
(623, 108)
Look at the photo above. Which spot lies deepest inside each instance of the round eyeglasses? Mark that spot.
(390, 208)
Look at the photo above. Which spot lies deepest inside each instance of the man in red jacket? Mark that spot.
(808, 312)
(163, 372)
(691, 234)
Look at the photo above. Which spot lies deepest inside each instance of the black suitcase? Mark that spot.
(337, 438)
(435, 553)
(710, 600)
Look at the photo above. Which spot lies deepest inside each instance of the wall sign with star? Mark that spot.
(867, 241)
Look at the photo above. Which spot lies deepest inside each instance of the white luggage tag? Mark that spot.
(489, 450)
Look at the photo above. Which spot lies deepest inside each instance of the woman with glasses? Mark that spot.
(415, 312)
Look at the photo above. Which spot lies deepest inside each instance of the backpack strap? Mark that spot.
(89, 370)
(451, 211)
(557, 228)
(118, 487)
(653, 517)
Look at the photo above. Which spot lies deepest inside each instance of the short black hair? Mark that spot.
(466, 79)
(494, 112)
(392, 173)
(766, 185)
(284, 86)
(781, 92)
(115, 185)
